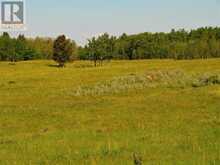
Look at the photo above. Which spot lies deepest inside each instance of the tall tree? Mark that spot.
(62, 50)
(101, 48)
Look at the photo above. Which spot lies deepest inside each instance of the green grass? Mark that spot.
(42, 121)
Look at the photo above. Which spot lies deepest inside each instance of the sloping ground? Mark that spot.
(42, 121)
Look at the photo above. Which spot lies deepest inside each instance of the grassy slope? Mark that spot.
(41, 122)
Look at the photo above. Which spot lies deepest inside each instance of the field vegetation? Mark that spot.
(124, 112)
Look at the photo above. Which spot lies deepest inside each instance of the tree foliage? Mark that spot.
(15, 49)
(62, 50)
(99, 49)
(22, 48)
(177, 44)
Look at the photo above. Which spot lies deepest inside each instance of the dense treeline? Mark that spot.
(21, 48)
(181, 44)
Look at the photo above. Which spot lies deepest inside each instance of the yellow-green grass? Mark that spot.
(42, 122)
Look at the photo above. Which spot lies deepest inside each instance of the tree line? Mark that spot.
(176, 44)
(21, 48)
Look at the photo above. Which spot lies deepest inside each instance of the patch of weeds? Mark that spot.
(174, 78)
(115, 85)
(168, 79)
(207, 79)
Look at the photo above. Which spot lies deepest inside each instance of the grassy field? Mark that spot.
(59, 116)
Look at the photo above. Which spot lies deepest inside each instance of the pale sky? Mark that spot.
(82, 19)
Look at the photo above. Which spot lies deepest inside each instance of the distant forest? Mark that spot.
(178, 44)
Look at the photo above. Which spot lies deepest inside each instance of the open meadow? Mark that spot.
(124, 112)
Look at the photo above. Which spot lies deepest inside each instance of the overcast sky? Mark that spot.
(82, 19)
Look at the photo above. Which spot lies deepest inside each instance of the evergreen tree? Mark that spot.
(62, 50)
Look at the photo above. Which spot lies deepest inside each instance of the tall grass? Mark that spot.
(168, 79)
